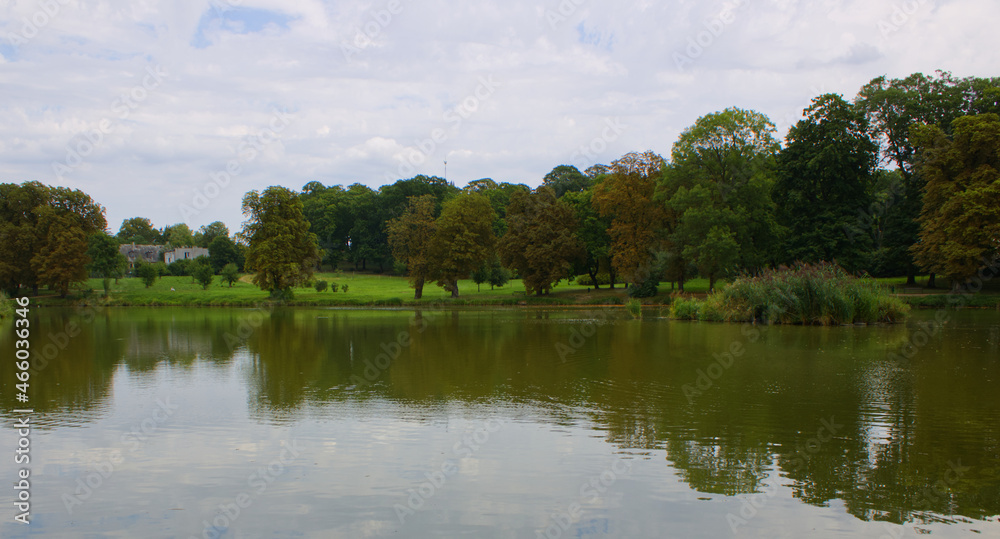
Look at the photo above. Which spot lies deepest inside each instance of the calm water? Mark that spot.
(515, 424)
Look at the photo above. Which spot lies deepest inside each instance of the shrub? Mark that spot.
(646, 289)
(345, 288)
(148, 273)
(181, 268)
(321, 285)
(204, 275)
(230, 274)
(334, 287)
(685, 309)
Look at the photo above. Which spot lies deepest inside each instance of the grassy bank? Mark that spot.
(383, 290)
(363, 290)
(822, 294)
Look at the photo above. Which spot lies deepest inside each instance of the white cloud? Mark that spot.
(353, 118)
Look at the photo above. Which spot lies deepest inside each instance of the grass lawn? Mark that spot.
(383, 290)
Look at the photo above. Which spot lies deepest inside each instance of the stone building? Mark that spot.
(146, 253)
(184, 253)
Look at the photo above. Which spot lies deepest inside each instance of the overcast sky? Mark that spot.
(144, 104)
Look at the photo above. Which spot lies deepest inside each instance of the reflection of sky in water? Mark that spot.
(363, 458)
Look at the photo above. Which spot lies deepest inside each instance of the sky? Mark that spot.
(173, 110)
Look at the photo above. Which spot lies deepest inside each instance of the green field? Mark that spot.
(366, 289)
(363, 289)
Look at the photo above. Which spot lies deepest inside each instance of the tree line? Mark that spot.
(901, 180)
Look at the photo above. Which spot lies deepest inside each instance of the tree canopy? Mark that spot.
(281, 251)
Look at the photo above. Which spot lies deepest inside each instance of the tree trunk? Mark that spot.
(711, 283)
(680, 281)
(612, 274)
(418, 289)
(593, 277)
(454, 289)
(911, 279)
(931, 281)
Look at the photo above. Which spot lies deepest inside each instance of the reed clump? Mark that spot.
(807, 294)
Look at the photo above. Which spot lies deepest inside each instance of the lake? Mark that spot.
(277, 422)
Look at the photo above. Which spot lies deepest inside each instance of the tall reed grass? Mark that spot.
(808, 294)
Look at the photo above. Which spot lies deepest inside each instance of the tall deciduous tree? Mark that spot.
(20, 233)
(893, 108)
(464, 239)
(592, 229)
(717, 191)
(207, 233)
(106, 261)
(626, 196)
(43, 235)
(62, 259)
(825, 174)
(280, 249)
(540, 242)
(223, 251)
(410, 237)
(567, 179)
(178, 235)
(138, 230)
(960, 221)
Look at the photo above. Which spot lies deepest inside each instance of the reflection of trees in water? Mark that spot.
(897, 427)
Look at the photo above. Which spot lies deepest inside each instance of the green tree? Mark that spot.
(540, 243)
(63, 221)
(280, 249)
(626, 196)
(207, 234)
(410, 237)
(147, 272)
(893, 107)
(62, 259)
(223, 251)
(230, 274)
(138, 230)
(824, 174)
(178, 235)
(567, 179)
(960, 221)
(463, 240)
(203, 274)
(592, 229)
(106, 261)
(20, 233)
(719, 183)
